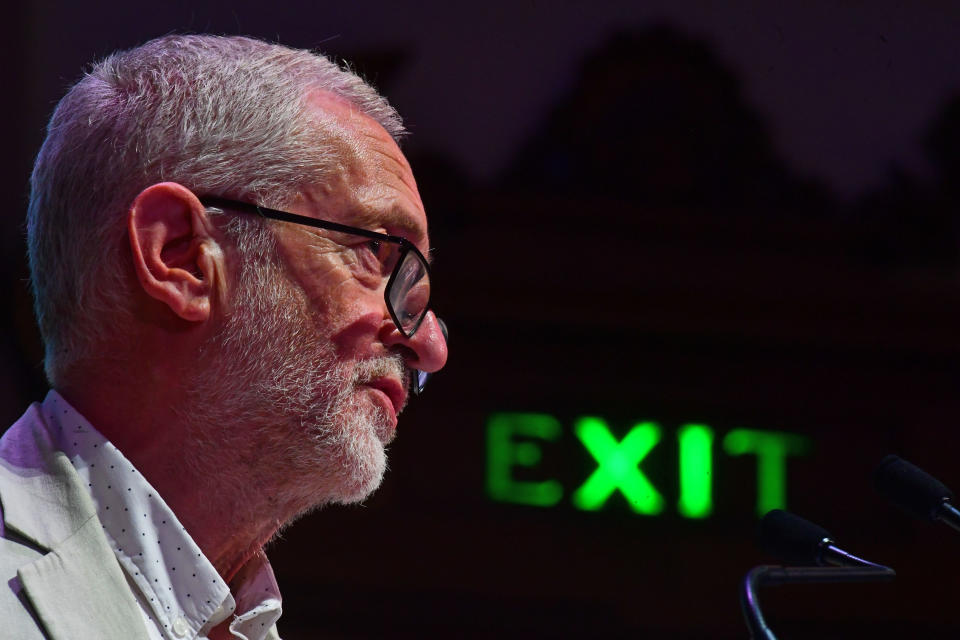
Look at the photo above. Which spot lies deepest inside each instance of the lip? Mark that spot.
(394, 391)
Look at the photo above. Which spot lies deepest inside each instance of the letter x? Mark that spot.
(618, 466)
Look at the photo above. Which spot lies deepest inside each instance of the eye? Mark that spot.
(379, 250)
(374, 256)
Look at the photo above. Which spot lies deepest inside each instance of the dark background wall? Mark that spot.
(738, 214)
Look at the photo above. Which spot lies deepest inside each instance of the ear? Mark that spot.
(175, 255)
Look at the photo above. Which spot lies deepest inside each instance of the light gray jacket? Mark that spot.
(60, 578)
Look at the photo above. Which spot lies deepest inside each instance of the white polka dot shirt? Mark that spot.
(180, 593)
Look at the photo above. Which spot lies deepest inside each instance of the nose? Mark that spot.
(427, 349)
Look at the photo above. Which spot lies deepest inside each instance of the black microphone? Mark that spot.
(915, 491)
(799, 541)
(796, 540)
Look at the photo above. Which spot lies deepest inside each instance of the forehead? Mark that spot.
(373, 186)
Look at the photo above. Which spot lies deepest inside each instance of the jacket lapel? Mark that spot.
(79, 591)
(77, 588)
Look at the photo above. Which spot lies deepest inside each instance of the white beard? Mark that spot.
(275, 417)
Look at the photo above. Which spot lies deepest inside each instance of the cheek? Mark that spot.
(341, 309)
(353, 323)
(326, 291)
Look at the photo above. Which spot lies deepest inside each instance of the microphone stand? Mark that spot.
(772, 575)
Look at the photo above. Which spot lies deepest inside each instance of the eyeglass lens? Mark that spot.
(409, 292)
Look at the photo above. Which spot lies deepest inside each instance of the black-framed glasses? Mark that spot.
(407, 293)
(408, 289)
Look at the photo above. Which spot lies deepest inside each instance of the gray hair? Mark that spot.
(219, 115)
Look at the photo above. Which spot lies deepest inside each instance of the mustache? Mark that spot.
(391, 366)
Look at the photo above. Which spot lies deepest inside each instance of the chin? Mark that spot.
(360, 456)
(363, 476)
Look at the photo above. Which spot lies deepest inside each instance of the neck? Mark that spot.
(210, 481)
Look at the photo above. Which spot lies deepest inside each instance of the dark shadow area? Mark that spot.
(910, 223)
(655, 119)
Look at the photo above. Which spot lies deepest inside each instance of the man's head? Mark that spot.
(216, 115)
(299, 362)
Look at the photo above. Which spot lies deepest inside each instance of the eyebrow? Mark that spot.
(392, 218)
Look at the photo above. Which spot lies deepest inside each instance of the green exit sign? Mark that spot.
(515, 441)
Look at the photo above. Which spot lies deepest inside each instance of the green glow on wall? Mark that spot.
(771, 449)
(517, 443)
(618, 466)
(695, 443)
(504, 452)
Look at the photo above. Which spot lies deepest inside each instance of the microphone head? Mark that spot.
(791, 538)
(910, 487)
